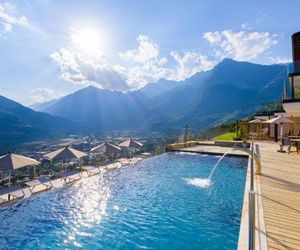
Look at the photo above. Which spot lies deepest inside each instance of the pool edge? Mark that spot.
(260, 228)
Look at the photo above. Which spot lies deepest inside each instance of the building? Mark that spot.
(291, 95)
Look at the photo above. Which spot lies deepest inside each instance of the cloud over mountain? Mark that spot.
(145, 63)
(239, 45)
(79, 70)
(146, 51)
(39, 94)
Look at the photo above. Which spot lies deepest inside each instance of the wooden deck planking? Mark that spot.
(280, 193)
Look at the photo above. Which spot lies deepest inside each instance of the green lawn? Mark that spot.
(226, 137)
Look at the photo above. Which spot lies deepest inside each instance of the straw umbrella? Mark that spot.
(106, 148)
(64, 154)
(10, 161)
(258, 124)
(131, 144)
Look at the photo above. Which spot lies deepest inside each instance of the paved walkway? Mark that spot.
(280, 193)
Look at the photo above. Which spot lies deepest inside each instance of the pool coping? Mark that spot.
(209, 153)
(260, 228)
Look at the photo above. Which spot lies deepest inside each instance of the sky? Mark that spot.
(50, 48)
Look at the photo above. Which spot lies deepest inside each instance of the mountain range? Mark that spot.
(21, 124)
(231, 90)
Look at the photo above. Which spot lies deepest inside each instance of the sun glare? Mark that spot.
(87, 40)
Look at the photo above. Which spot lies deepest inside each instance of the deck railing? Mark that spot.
(251, 202)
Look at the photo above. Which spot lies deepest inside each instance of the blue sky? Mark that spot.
(51, 48)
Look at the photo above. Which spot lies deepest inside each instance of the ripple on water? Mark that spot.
(150, 205)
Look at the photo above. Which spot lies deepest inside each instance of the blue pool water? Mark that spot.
(151, 205)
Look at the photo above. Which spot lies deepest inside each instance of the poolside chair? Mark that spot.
(13, 193)
(90, 170)
(2, 201)
(41, 181)
(71, 176)
(285, 142)
(112, 166)
(123, 161)
(103, 169)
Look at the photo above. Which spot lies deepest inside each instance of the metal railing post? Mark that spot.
(252, 167)
(251, 220)
(251, 201)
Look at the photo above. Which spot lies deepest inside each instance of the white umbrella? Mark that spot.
(12, 161)
(280, 120)
(106, 148)
(256, 121)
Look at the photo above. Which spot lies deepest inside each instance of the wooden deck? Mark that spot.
(280, 193)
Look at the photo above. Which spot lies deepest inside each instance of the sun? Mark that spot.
(88, 40)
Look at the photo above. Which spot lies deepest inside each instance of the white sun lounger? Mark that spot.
(123, 161)
(41, 181)
(112, 166)
(91, 170)
(103, 169)
(2, 201)
(70, 176)
(13, 193)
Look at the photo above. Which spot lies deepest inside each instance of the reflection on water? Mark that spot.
(86, 208)
(145, 206)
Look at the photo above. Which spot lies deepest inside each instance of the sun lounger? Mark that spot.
(103, 169)
(91, 170)
(112, 166)
(41, 181)
(286, 142)
(70, 176)
(2, 201)
(13, 193)
(124, 161)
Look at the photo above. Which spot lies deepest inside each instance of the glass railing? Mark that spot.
(294, 68)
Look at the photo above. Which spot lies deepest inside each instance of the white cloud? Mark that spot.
(145, 64)
(240, 45)
(39, 94)
(139, 67)
(139, 75)
(150, 66)
(79, 70)
(246, 26)
(279, 60)
(146, 51)
(190, 63)
(9, 17)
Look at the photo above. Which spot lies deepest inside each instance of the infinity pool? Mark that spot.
(156, 204)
